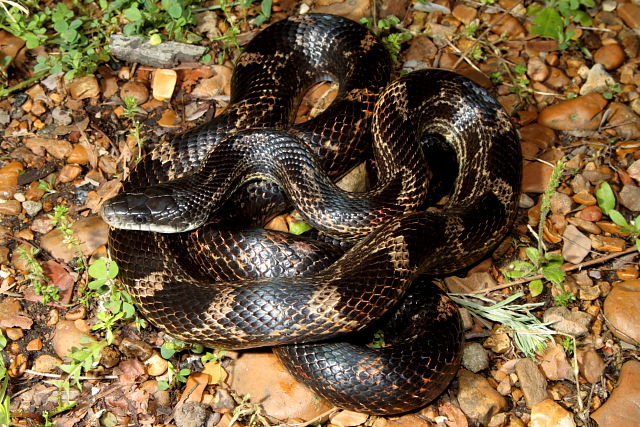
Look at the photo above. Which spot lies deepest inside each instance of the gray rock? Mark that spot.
(598, 81)
(475, 358)
(562, 319)
(629, 197)
(191, 414)
(32, 208)
(165, 55)
(576, 245)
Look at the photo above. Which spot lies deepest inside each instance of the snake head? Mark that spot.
(158, 209)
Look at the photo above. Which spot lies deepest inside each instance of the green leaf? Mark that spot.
(554, 274)
(548, 24)
(638, 244)
(299, 227)
(605, 197)
(553, 260)
(618, 218)
(536, 287)
(533, 255)
(175, 11)
(266, 8)
(155, 39)
(166, 351)
(133, 14)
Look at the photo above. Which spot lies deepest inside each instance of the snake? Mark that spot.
(228, 285)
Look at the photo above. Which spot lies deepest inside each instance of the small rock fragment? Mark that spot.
(84, 87)
(475, 357)
(590, 364)
(621, 308)
(549, 414)
(576, 245)
(348, 419)
(163, 84)
(562, 319)
(478, 400)
(532, 382)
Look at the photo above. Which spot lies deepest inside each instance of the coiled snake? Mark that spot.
(178, 186)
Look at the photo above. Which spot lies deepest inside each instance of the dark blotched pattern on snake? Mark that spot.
(304, 296)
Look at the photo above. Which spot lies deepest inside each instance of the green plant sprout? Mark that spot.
(39, 280)
(173, 377)
(131, 110)
(119, 308)
(607, 201)
(553, 18)
(541, 262)
(391, 41)
(47, 186)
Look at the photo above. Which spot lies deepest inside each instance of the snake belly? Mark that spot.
(396, 239)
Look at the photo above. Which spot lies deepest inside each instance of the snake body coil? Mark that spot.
(181, 183)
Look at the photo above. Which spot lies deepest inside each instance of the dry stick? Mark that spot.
(484, 33)
(566, 269)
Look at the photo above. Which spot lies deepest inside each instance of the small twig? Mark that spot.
(566, 269)
(58, 376)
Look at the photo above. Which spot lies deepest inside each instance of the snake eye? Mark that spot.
(140, 219)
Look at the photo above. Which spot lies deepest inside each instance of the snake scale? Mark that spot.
(310, 294)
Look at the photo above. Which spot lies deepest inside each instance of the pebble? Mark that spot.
(554, 363)
(607, 244)
(550, 414)
(136, 348)
(78, 155)
(9, 179)
(598, 81)
(10, 207)
(84, 87)
(190, 414)
(68, 173)
(621, 308)
(32, 208)
(574, 323)
(14, 334)
(163, 84)
(34, 345)
(624, 120)
(611, 56)
(532, 383)
(591, 214)
(61, 117)
(156, 365)
(630, 14)
(537, 69)
(535, 177)
(586, 226)
(590, 364)
(137, 90)
(576, 245)
(475, 358)
(261, 375)
(465, 14)
(623, 406)
(348, 419)
(58, 148)
(352, 9)
(46, 364)
(499, 342)
(91, 231)
(477, 399)
(66, 336)
(629, 197)
(581, 113)
(561, 204)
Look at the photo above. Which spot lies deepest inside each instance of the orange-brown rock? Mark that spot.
(621, 308)
(611, 56)
(581, 113)
(623, 406)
